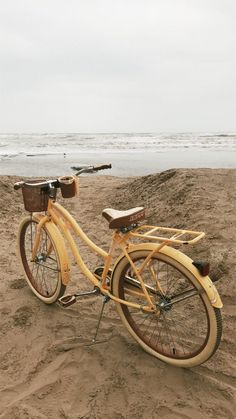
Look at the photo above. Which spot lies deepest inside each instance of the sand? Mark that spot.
(49, 367)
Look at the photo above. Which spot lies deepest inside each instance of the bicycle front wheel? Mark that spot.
(185, 330)
(43, 274)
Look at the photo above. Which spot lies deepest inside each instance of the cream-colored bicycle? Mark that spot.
(165, 299)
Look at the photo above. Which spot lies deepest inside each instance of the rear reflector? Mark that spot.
(202, 267)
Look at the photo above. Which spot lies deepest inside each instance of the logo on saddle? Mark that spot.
(139, 216)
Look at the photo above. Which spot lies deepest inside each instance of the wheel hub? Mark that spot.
(164, 303)
(41, 258)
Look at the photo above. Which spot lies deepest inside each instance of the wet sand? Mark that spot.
(124, 163)
(46, 374)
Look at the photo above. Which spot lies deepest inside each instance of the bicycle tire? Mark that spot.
(184, 335)
(43, 275)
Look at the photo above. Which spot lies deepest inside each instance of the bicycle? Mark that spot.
(166, 300)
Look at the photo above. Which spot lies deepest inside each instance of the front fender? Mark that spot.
(60, 247)
(184, 260)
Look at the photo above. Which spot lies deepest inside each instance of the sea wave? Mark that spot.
(63, 143)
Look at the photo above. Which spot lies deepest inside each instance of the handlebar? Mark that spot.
(88, 169)
(56, 182)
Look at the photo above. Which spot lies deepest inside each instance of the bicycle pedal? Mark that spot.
(67, 300)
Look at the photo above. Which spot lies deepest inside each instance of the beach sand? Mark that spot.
(45, 374)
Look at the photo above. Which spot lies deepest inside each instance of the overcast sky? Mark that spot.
(117, 65)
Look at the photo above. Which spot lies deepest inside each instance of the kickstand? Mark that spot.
(105, 300)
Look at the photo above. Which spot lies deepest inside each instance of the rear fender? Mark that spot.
(184, 260)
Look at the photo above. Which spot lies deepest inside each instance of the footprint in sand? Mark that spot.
(17, 284)
(23, 316)
(62, 330)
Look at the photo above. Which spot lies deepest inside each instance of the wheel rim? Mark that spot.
(177, 331)
(42, 273)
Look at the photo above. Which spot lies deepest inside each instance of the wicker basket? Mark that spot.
(69, 186)
(35, 199)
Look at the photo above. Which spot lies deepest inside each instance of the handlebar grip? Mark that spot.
(102, 167)
(18, 185)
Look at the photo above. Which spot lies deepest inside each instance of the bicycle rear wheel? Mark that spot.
(43, 274)
(185, 330)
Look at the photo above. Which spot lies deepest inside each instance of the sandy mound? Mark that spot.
(43, 375)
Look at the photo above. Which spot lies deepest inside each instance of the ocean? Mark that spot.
(133, 154)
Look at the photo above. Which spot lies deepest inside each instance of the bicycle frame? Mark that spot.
(61, 221)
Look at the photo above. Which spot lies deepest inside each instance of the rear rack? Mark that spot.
(168, 235)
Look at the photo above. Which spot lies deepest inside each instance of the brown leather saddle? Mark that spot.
(119, 219)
